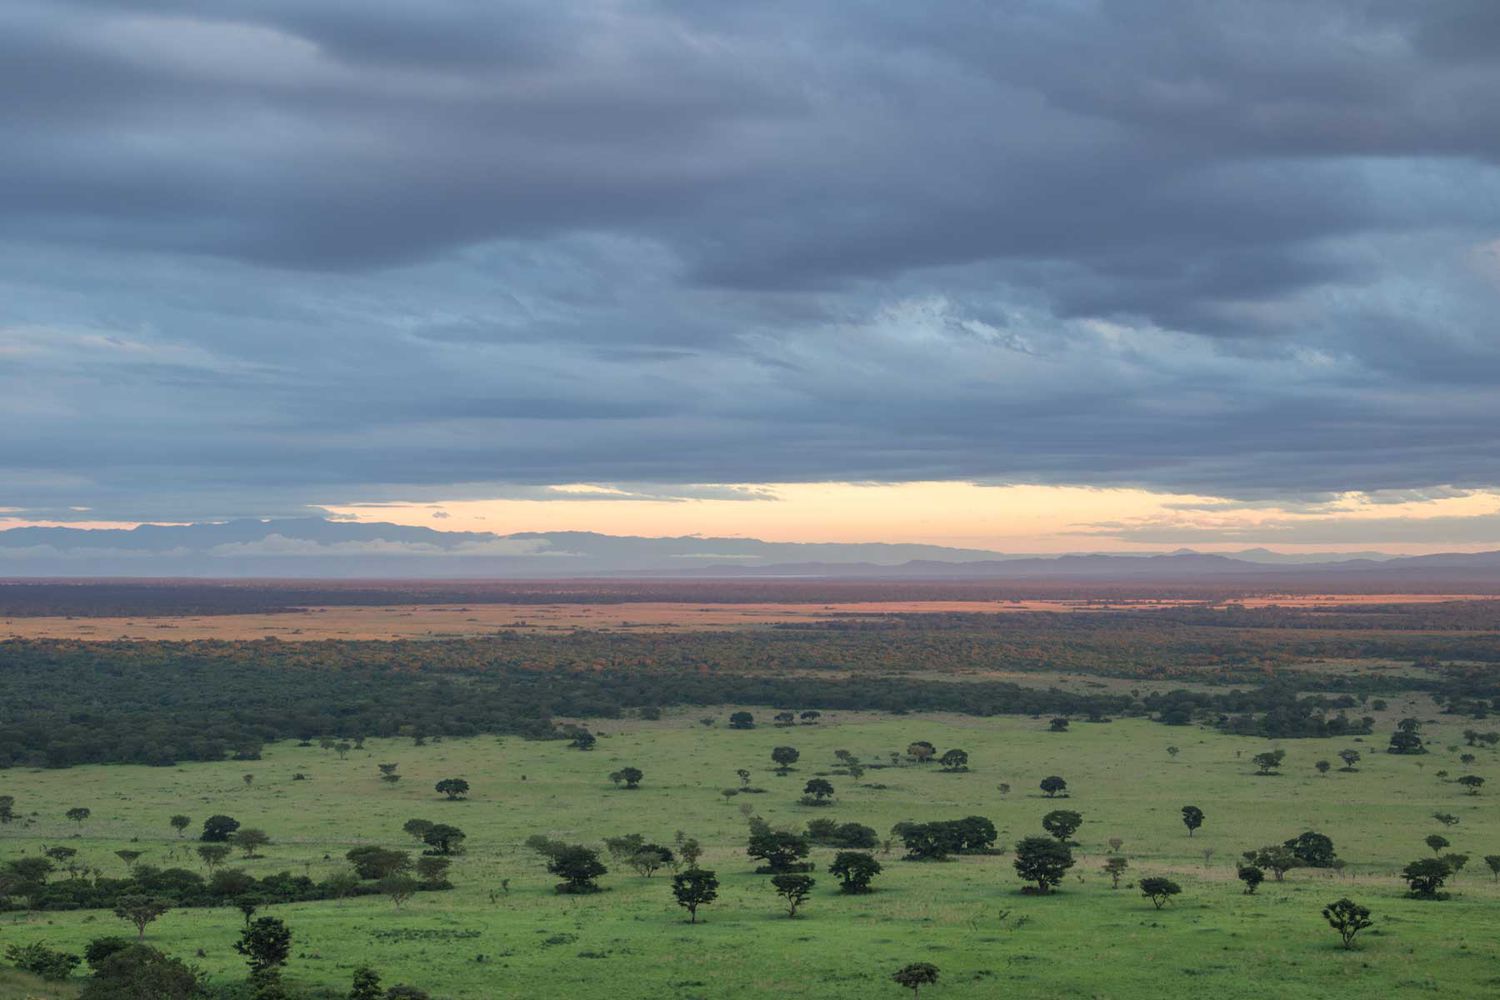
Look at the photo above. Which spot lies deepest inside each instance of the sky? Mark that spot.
(1033, 275)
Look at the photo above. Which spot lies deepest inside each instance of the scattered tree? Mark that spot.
(817, 792)
(180, 823)
(1268, 762)
(578, 867)
(141, 910)
(1350, 758)
(1159, 890)
(1471, 782)
(1251, 876)
(854, 870)
(1115, 868)
(216, 829)
(250, 840)
(1348, 918)
(915, 976)
(1043, 860)
(694, 888)
(1425, 877)
(1053, 786)
(266, 945)
(784, 757)
(954, 760)
(453, 788)
(742, 720)
(1062, 823)
(793, 889)
(78, 814)
(1192, 818)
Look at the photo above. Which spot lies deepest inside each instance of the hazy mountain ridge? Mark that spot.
(316, 547)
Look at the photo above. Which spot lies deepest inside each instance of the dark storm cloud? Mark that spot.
(267, 255)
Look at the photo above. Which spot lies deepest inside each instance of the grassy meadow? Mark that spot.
(965, 915)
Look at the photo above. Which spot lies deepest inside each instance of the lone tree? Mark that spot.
(140, 910)
(1053, 786)
(78, 814)
(266, 945)
(1471, 782)
(1323, 767)
(1159, 890)
(741, 720)
(578, 867)
(1192, 818)
(1058, 725)
(781, 851)
(216, 829)
(180, 823)
(454, 788)
(443, 839)
(1493, 860)
(1348, 918)
(915, 976)
(793, 889)
(1350, 758)
(817, 792)
(1437, 842)
(631, 776)
(854, 870)
(1251, 876)
(1425, 877)
(920, 751)
(650, 858)
(1042, 860)
(694, 888)
(1062, 823)
(784, 757)
(1407, 739)
(1268, 762)
(366, 985)
(954, 760)
(213, 855)
(250, 840)
(399, 888)
(1115, 867)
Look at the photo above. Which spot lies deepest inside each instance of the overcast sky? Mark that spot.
(298, 254)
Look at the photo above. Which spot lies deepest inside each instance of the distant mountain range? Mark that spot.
(318, 548)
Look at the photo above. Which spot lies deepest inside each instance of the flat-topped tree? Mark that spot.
(915, 976)
(818, 792)
(1159, 890)
(180, 823)
(1268, 762)
(453, 788)
(794, 890)
(694, 888)
(1043, 860)
(1053, 786)
(140, 911)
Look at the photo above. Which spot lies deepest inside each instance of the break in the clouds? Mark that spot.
(260, 256)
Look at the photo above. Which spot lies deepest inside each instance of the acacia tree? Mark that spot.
(141, 910)
(1062, 823)
(1425, 877)
(1323, 767)
(1043, 860)
(1115, 867)
(784, 757)
(741, 720)
(216, 829)
(1437, 842)
(1277, 859)
(954, 760)
(1348, 918)
(1251, 876)
(694, 888)
(454, 788)
(250, 840)
(854, 870)
(915, 976)
(578, 867)
(1053, 786)
(793, 889)
(399, 888)
(1407, 739)
(1268, 762)
(631, 776)
(1159, 890)
(78, 814)
(1493, 860)
(213, 855)
(180, 823)
(817, 792)
(443, 839)
(1350, 758)
(1471, 782)
(1192, 818)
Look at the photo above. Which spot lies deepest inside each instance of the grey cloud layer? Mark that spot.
(302, 252)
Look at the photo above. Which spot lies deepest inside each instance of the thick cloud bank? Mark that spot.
(259, 256)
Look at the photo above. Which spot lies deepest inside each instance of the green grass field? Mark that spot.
(966, 915)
